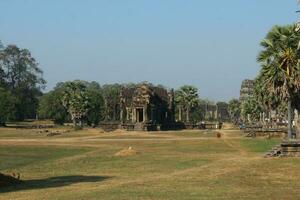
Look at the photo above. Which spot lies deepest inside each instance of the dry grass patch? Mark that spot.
(197, 165)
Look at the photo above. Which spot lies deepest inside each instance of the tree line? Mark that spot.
(88, 102)
(277, 85)
(22, 97)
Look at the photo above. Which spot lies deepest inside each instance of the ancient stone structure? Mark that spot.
(285, 149)
(222, 111)
(211, 112)
(247, 90)
(146, 107)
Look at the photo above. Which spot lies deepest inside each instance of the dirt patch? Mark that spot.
(126, 152)
(229, 126)
(119, 131)
(6, 180)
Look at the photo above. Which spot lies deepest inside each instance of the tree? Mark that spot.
(187, 98)
(2, 74)
(234, 109)
(280, 70)
(75, 101)
(51, 106)
(197, 112)
(252, 109)
(95, 104)
(7, 107)
(21, 75)
(111, 95)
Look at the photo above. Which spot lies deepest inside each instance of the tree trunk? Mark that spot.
(179, 114)
(187, 114)
(289, 119)
(74, 122)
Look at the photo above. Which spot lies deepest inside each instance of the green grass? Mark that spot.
(259, 145)
(78, 167)
(16, 157)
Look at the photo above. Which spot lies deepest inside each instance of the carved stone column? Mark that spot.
(127, 114)
(121, 115)
(145, 118)
(179, 114)
(133, 115)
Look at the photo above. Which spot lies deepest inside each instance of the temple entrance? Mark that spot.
(140, 115)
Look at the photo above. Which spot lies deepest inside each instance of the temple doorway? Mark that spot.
(140, 115)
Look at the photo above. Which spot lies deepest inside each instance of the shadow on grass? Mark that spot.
(52, 182)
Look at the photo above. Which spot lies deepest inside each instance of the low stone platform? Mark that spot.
(285, 149)
(290, 148)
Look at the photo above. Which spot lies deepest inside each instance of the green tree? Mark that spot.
(76, 101)
(51, 106)
(95, 104)
(234, 109)
(7, 107)
(279, 73)
(111, 96)
(187, 97)
(2, 74)
(21, 75)
(198, 112)
(252, 108)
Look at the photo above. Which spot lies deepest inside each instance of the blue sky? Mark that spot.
(210, 44)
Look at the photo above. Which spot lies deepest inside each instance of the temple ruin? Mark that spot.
(146, 107)
(247, 90)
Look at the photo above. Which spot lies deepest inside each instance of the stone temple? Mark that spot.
(146, 107)
(247, 90)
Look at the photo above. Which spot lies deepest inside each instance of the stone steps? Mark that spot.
(274, 152)
(139, 127)
(285, 149)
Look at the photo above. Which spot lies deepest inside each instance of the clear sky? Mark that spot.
(210, 44)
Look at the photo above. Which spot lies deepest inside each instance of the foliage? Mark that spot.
(51, 104)
(111, 96)
(279, 75)
(7, 107)
(95, 104)
(21, 75)
(279, 78)
(187, 97)
(75, 101)
(252, 108)
(51, 107)
(234, 109)
(197, 113)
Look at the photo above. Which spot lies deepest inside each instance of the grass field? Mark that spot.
(168, 165)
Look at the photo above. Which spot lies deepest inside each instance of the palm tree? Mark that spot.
(279, 73)
(187, 98)
(252, 109)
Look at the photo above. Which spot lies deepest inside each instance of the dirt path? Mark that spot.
(70, 140)
(228, 140)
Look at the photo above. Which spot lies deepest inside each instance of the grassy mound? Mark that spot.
(127, 152)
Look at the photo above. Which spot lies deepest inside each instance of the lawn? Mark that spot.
(167, 165)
